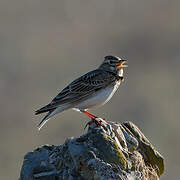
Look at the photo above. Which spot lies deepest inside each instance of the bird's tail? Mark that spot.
(50, 114)
(45, 119)
(44, 109)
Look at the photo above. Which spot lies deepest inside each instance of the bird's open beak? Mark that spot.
(122, 64)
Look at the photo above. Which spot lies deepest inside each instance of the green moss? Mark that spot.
(120, 156)
(115, 154)
(133, 168)
(132, 148)
(151, 156)
(155, 159)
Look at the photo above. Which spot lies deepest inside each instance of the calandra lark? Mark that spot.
(95, 88)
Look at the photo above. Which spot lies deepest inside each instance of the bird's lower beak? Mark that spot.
(122, 64)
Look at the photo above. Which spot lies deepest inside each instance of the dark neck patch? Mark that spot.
(116, 75)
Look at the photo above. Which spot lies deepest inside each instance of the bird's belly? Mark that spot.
(98, 98)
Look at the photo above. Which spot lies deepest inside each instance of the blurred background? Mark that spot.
(45, 44)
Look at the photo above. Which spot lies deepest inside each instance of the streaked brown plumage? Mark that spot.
(92, 89)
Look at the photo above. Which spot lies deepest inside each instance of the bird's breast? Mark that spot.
(98, 98)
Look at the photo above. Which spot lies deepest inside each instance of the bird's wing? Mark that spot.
(80, 88)
(83, 86)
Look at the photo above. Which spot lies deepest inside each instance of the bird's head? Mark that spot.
(114, 64)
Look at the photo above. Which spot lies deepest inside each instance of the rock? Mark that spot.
(112, 152)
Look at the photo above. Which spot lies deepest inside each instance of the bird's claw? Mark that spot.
(88, 124)
(98, 123)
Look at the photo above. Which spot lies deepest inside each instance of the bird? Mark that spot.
(90, 90)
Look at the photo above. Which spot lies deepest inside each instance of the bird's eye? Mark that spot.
(110, 62)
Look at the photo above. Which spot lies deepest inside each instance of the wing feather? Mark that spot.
(82, 87)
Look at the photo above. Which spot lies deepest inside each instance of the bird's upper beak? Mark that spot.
(122, 64)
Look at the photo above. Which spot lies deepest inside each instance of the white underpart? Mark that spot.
(98, 98)
(120, 73)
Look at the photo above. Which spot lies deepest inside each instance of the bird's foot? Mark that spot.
(94, 119)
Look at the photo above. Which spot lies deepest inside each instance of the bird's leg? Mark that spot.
(93, 119)
(92, 116)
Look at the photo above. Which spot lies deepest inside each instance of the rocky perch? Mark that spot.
(115, 151)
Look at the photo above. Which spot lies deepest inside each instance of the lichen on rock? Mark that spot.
(118, 151)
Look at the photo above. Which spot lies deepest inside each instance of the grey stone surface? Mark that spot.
(118, 151)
